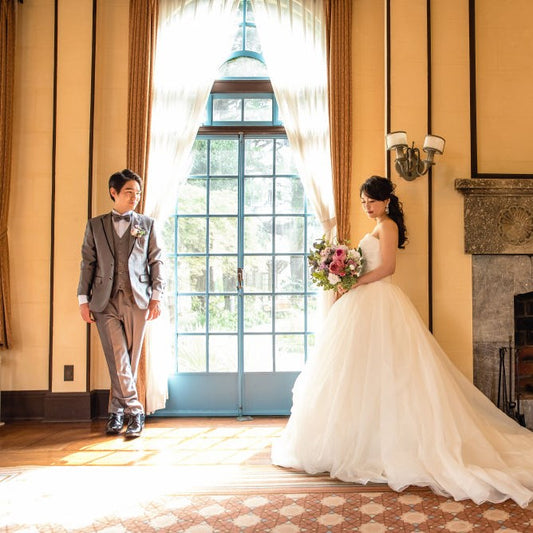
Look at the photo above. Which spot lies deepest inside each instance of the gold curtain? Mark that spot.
(143, 26)
(7, 78)
(142, 36)
(339, 56)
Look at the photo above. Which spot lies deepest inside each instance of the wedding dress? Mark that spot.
(379, 401)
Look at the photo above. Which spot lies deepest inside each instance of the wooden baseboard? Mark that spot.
(22, 405)
(53, 406)
(67, 407)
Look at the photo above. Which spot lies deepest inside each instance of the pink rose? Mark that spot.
(337, 267)
(340, 254)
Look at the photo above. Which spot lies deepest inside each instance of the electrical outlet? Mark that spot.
(68, 373)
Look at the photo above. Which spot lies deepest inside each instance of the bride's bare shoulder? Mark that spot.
(387, 226)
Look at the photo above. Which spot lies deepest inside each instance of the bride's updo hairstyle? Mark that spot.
(381, 189)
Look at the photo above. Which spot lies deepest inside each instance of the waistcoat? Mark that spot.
(121, 279)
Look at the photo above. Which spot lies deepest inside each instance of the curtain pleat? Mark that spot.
(339, 46)
(7, 79)
(193, 39)
(142, 36)
(293, 40)
(143, 27)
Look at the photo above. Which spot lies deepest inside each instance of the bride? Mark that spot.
(379, 401)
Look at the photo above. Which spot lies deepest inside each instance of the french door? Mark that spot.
(242, 303)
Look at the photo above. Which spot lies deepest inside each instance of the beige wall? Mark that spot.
(25, 366)
(452, 309)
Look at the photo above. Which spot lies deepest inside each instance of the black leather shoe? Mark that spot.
(135, 426)
(115, 423)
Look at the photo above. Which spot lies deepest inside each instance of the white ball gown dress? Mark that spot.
(379, 401)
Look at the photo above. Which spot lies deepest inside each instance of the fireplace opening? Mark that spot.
(523, 321)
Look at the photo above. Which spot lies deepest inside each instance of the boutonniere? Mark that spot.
(137, 231)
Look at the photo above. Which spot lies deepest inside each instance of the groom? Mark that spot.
(120, 286)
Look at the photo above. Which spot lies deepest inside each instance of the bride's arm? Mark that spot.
(387, 232)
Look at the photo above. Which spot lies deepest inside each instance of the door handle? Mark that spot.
(240, 277)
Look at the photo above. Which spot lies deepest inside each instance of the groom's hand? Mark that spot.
(154, 310)
(85, 313)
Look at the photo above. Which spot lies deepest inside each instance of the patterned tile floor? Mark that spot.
(203, 476)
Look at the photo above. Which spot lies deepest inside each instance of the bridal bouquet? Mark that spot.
(334, 265)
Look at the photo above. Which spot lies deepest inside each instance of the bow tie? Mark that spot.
(117, 218)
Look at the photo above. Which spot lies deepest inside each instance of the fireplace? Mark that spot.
(499, 235)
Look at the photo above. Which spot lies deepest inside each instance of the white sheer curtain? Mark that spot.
(293, 39)
(193, 39)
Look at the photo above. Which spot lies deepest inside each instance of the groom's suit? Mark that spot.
(118, 275)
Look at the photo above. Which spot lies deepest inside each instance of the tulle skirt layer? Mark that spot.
(379, 401)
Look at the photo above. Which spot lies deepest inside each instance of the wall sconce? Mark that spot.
(408, 163)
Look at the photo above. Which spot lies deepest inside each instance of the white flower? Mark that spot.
(138, 231)
(333, 278)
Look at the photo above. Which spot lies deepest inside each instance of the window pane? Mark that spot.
(252, 40)
(224, 157)
(289, 195)
(223, 313)
(257, 273)
(257, 234)
(258, 110)
(223, 196)
(289, 313)
(191, 274)
(192, 197)
(257, 313)
(191, 353)
(249, 12)
(243, 67)
(284, 161)
(258, 156)
(227, 109)
(258, 353)
(222, 274)
(290, 352)
(191, 235)
(199, 157)
(223, 353)
(289, 234)
(191, 314)
(258, 195)
(223, 234)
(290, 273)
(237, 41)
(168, 233)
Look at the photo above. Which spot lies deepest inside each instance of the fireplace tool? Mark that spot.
(508, 402)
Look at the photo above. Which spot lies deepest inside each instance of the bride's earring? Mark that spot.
(387, 209)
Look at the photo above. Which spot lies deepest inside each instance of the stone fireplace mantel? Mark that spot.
(498, 215)
(498, 222)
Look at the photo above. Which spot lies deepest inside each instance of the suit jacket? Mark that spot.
(145, 262)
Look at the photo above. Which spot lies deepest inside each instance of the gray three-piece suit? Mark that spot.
(118, 275)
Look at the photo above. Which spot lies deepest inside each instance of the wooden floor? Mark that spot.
(164, 441)
(192, 475)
